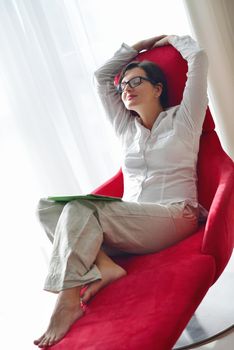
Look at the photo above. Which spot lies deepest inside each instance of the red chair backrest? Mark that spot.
(174, 67)
(216, 193)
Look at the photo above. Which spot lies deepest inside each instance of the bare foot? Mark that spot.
(110, 272)
(67, 311)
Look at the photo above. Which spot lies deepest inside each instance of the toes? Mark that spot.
(52, 341)
(86, 296)
(44, 342)
(82, 292)
(37, 341)
(48, 341)
(83, 305)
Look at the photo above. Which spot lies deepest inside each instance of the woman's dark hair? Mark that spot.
(154, 73)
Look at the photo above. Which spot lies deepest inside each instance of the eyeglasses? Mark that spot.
(134, 82)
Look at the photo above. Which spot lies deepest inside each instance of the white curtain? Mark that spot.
(54, 138)
(213, 26)
(47, 65)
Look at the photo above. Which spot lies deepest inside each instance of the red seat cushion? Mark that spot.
(149, 307)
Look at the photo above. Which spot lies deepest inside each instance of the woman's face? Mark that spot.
(142, 95)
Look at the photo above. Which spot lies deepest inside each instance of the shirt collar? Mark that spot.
(161, 116)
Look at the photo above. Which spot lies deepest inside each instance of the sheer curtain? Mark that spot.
(48, 63)
(54, 135)
(213, 25)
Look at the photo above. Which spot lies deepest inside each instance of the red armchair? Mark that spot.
(150, 307)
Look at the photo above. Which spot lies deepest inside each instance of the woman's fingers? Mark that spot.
(162, 42)
(150, 43)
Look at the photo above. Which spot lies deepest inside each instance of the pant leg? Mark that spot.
(48, 213)
(140, 228)
(83, 226)
(77, 237)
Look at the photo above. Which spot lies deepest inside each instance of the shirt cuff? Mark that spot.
(125, 47)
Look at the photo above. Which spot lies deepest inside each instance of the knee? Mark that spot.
(42, 205)
(81, 207)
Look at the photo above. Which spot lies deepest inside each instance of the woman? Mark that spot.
(159, 206)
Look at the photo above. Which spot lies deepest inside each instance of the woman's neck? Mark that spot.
(149, 116)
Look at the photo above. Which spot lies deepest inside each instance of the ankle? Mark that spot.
(70, 294)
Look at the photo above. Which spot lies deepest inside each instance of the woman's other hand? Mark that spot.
(150, 43)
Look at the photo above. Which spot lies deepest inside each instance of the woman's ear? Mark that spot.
(158, 89)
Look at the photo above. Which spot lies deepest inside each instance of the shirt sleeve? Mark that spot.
(194, 102)
(115, 110)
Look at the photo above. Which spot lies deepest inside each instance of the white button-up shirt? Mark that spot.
(159, 165)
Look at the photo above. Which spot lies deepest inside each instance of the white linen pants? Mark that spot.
(79, 229)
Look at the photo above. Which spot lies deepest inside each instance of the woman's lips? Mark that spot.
(130, 97)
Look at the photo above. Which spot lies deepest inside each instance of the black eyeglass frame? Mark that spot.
(120, 89)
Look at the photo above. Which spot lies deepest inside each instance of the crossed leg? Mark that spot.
(68, 308)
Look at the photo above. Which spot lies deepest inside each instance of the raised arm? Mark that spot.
(194, 102)
(116, 112)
